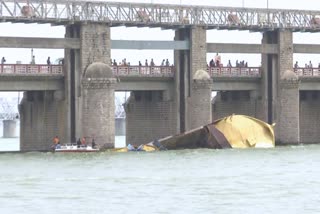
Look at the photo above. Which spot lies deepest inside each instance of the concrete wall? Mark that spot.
(234, 102)
(309, 116)
(149, 115)
(41, 118)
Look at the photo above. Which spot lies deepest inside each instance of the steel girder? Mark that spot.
(157, 15)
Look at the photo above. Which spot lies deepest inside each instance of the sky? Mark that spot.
(133, 56)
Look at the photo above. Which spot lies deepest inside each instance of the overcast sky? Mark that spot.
(133, 56)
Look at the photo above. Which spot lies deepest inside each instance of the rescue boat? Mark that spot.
(74, 148)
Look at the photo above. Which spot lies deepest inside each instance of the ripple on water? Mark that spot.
(280, 180)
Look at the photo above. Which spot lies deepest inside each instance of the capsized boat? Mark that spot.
(74, 148)
(235, 131)
(142, 147)
(243, 131)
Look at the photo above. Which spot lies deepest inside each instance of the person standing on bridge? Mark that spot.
(3, 60)
(33, 61)
(152, 63)
(167, 63)
(146, 63)
(48, 61)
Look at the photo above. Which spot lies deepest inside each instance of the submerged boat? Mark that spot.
(234, 131)
(75, 148)
(141, 148)
(243, 131)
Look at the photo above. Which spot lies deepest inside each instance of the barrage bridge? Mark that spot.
(76, 99)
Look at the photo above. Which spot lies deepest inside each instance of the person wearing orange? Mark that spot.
(56, 140)
(83, 141)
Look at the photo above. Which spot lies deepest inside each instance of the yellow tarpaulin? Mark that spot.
(243, 131)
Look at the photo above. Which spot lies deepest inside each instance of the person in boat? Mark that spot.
(78, 143)
(83, 142)
(93, 143)
(56, 140)
(131, 147)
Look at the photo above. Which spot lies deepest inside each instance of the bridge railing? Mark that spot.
(27, 69)
(307, 72)
(149, 71)
(234, 72)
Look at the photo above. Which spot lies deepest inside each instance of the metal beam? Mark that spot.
(241, 48)
(74, 43)
(154, 45)
(157, 15)
(306, 48)
(33, 42)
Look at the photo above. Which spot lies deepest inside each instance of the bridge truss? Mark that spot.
(157, 15)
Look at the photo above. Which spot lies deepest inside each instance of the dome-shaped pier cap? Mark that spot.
(201, 75)
(99, 70)
(289, 75)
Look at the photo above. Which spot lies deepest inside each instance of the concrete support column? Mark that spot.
(200, 107)
(98, 105)
(95, 47)
(149, 116)
(72, 82)
(187, 63)
(41, 118)
(226, 103)
(9, 128)
(287, 118)
(269, 63)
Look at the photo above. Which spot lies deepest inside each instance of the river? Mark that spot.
(280, 180)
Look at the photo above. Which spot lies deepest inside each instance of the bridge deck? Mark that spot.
(158, 15)
(33, 71)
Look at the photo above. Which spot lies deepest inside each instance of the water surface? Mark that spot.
(280, 180)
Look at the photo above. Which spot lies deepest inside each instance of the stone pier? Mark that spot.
(41, 118)
(280, 87)
(98, 105)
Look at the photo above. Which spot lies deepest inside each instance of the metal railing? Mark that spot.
(234, 72)
(307, 72)
(150, 71)
(147, 71)
(168, 15)
(27, 69)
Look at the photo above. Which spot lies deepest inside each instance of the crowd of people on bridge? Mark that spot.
(216, 62)
(307, 65)
(33, 60)
(165, 62)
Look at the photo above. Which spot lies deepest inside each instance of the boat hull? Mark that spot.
(74, 148)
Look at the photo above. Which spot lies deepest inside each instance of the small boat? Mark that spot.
(75, 148)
